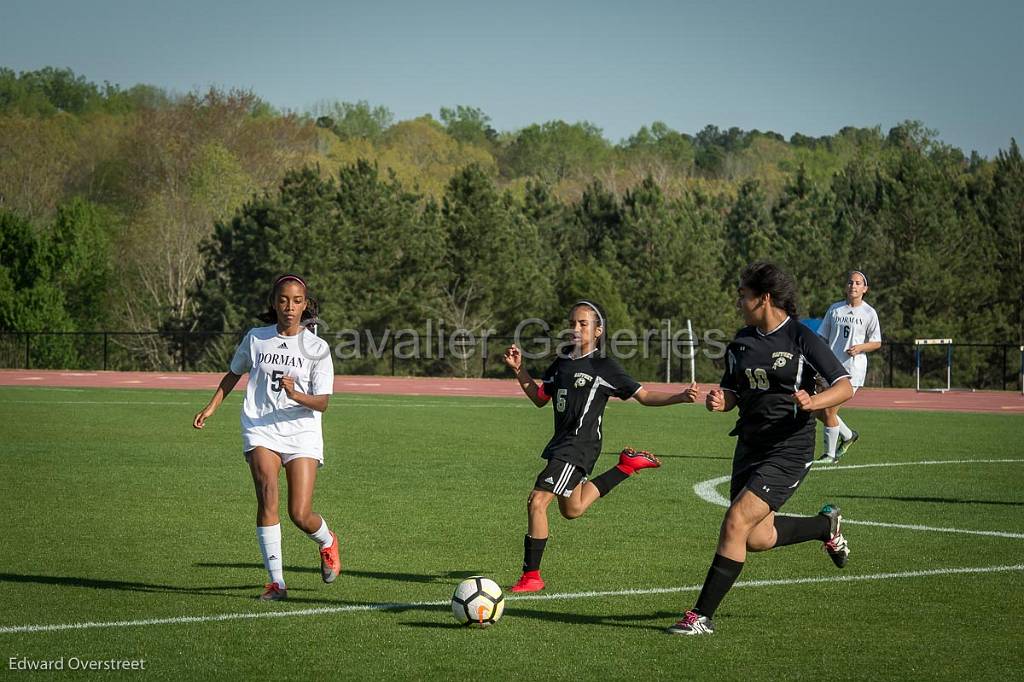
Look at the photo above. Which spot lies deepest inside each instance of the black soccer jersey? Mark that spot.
(765, 370)
(579, 390)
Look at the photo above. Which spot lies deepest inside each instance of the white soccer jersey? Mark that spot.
(845, 325)
(269, 418)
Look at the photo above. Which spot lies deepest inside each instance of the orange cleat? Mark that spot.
(274, 592)
(530, 581)
(330, 562)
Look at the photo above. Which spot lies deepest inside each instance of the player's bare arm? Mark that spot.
(514, 359)
(859, 348)
(313, 402)
(836, 394)
(661, 398)
(227, 383)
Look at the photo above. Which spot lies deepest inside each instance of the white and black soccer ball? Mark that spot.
(478, 602)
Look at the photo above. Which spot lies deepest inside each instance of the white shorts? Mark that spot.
(289, 456)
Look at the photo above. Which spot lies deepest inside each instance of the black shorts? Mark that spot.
(560, 478)
(773, 471)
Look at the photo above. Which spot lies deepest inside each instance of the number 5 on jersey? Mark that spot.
(277, 375)
(560, 399)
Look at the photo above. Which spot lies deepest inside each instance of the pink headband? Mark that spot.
(285, 278)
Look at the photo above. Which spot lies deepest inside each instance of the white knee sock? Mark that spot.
(844, 430)
(831, 440)
(322, 536)
(269, 538)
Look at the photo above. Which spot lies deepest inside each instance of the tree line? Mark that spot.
(139, 209)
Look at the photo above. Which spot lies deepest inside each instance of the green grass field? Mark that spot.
(115, 509)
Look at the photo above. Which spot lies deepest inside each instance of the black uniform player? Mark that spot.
(769, 375)
(580, 386)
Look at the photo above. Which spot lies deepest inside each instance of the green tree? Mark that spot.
(1006, 212)
(31, 300)
(491, 259)
(555, 151)
(807, 245)
(81, 261)
(468, 124)
(749, 232)
(662, 143)
(354, 120)
(362, 242)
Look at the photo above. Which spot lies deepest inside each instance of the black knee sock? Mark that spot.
(794, 529)
(533, 550)
(609, 479)
(721, 576)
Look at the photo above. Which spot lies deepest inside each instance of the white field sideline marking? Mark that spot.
(59, 388)
(565, 596)
(840, 467)
(708, 491)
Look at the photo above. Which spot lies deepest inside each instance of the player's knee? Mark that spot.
(537, 504)
(299, 514)
(570, 512)
(735, 526)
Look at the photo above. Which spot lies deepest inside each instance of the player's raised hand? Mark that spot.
(715, 400)
(804, 400)
(514, 358)
(691, 394)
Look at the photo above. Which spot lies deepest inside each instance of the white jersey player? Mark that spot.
(851, 330)
(269, 417)
(291, 379)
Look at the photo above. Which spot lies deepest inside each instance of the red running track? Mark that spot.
(999, 402)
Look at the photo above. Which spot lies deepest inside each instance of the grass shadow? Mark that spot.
(664, 456)
(373, 575)
(121, 585)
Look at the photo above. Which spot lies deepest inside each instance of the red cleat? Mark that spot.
(330, 562)
(530, 581)
(631, 461)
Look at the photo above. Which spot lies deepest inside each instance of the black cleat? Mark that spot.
(836, 546)
(845, 445)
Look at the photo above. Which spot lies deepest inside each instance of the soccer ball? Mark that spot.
(478, 601)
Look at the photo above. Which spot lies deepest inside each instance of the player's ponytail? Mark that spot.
(768, 278)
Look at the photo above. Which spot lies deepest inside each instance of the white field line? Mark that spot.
(565, 596)
(933, 529)
(841, 467)
(708, 491)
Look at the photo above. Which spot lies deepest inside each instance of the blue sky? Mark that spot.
(811, 67)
